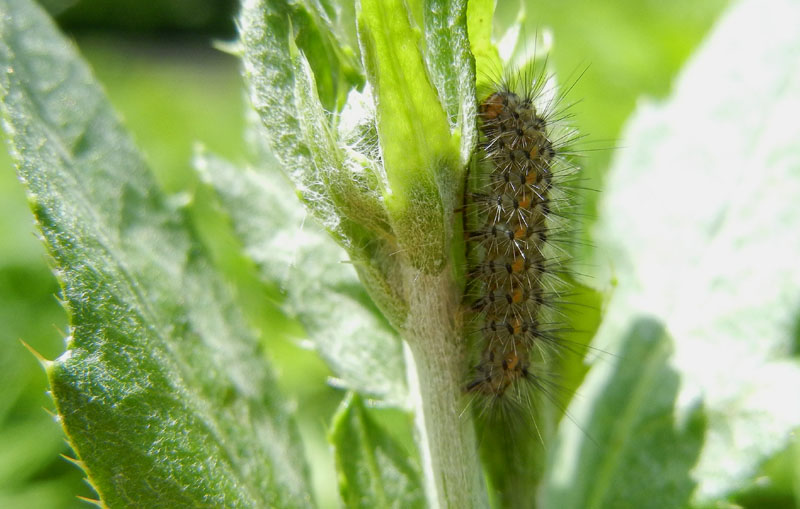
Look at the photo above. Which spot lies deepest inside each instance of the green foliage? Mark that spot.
(306, 146)
(385, 175)
(418, 155)
(320, 288)
(719, 272)
(374, 471)
(164, 391)
(624, 459)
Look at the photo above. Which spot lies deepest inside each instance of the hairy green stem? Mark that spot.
(445, 433)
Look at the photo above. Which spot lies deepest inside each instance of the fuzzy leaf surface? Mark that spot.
(374, 471)
(452, 67)
(286, 83)
(271, 64)
(163, 391)
(341, 188)
(699, 225)
(321, 289)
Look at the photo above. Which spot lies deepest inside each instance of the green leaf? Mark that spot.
(326, 36)
(352, 185)
(270, 67)
(374, 471)
(328, 40)
(480, 14)
(341, 186)
(774, 484)
(420, 157)
(410, 115)
(163, 391)
(285, 94)
(630, 449)
(699, 225)
(320, 287)
(452, 67)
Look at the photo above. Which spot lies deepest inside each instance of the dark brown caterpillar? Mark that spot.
(518, 204)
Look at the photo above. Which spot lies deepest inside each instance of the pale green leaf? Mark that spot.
(163, 391)
(374, 471)
(270, 67)
(340, 185)
(420, 157)
(284, 92)
(699, 223)
(623, 445)
(452, 67)
(321, 288)
(480, 14)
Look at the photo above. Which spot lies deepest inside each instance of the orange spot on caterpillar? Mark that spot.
(492, 107)
(518, 265)
(511, 362)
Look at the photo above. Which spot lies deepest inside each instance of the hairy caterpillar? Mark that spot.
(519, 202)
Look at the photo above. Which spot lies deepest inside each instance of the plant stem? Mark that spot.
(445, 433)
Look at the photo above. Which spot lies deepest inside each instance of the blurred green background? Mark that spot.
(173, 89)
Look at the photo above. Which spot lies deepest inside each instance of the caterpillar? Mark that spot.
(519, 200)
